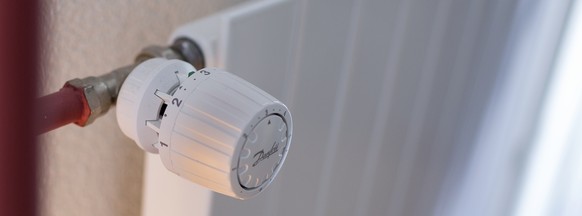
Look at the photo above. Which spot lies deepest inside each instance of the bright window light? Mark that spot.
(552, 183)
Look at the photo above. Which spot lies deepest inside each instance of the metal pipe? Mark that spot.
(98, 94)
(60, 108)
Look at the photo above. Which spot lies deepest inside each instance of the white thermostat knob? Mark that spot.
(209, 126)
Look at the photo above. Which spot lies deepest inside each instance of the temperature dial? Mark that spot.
(209, 126)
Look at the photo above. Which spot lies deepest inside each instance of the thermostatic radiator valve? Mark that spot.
(208, 126)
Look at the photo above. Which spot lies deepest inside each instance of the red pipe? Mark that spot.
(19, 62)
(60, 108)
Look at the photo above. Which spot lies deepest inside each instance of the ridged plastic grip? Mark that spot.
(209, 126)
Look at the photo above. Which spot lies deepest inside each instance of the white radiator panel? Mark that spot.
(389, 98)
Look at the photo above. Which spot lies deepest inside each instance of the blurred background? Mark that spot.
(401, 107)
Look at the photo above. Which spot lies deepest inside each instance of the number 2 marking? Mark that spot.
(176, 102)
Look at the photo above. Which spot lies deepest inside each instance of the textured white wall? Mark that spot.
(97, 170)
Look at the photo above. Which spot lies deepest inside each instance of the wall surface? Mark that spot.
(97, 170)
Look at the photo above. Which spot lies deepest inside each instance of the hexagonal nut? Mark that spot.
(96, 94)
